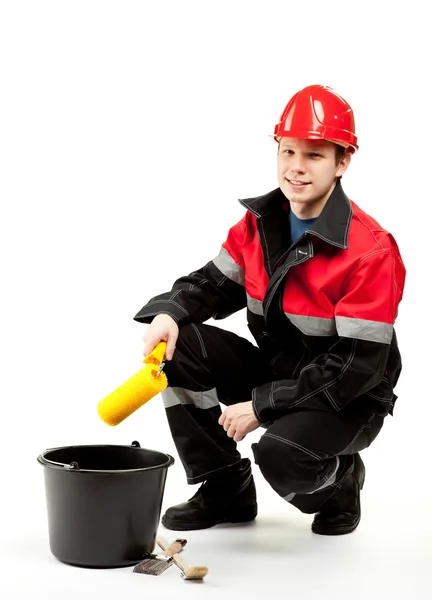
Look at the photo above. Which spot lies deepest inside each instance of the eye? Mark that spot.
(315, 155)
(287, 151)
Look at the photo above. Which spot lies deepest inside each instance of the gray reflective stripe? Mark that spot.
(255, 306)
(313, 325)
(330, 480)
(361, 329)
(227, 265)
(176, 395)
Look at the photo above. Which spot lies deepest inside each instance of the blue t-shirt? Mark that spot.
(299, 226)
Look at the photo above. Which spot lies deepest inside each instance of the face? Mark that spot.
(307, 173)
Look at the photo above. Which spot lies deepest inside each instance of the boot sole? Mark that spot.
(342, 530)
(245, 516)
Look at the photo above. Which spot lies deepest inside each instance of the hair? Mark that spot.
(340, 153)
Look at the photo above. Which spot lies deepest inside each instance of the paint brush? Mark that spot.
(155, 564)
(187, 572)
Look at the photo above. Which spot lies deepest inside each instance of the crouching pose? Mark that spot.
(321, 282)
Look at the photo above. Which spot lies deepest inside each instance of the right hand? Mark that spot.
(163, 328)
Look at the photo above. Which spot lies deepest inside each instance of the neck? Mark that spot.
(312, 210)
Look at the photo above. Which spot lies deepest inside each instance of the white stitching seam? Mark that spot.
(194, 285)
(357, 434)
(365, 258)
(254, 402)
(285, 271)
(341, 374)
(348, 223)
(200, 339)
(213, 471)
(175, 303)
(154, 314)
(294, 445)
(372, 231)
(378, 398)
(327, 240)
(330, 399)
(271, 396)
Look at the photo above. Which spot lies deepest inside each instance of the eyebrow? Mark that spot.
(310, 149)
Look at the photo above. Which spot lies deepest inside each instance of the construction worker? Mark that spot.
(321, 282)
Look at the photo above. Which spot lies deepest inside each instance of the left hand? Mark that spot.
(238, 420)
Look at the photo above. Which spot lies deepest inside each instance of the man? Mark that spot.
(321, 281)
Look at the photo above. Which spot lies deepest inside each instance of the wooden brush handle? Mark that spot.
(177, 545)
(173, 548)
(188, 572)
(181, 563)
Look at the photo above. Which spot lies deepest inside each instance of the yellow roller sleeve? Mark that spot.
(157, 356)
(136, 391)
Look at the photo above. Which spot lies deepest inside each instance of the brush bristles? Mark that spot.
(195, 573)
(152, 566)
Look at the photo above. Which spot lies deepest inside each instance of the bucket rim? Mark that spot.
(70, 467)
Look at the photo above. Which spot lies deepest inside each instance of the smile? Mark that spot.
(296, 183)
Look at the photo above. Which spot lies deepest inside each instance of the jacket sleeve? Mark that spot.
(356, 362)
(216, 290)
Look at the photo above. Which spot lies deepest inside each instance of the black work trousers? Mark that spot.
(304, 455)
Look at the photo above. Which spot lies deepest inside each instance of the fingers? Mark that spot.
(162, 329)
(230, 427)
(231, 431)
(237, 435)
(171, 344)
(150, 343)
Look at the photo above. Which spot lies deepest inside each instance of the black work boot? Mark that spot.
(228, 497)
(341, 513)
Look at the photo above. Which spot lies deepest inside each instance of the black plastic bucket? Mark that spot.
(103, 502)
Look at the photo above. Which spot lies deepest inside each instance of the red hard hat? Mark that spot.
(317, 112)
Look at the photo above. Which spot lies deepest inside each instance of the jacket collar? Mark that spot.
(333, 223)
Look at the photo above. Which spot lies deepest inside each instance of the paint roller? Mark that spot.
(137, 390)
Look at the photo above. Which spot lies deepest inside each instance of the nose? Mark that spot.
(298, 165)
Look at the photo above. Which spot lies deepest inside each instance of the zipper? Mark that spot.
(268, 301)
(285, 254)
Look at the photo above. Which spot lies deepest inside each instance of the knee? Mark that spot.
(288, 467)
(185, 347)
(185, 335)
(190, 342)
(187, 366)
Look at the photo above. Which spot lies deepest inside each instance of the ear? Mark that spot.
(343, 165)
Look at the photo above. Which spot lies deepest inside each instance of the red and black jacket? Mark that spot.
(322, 309)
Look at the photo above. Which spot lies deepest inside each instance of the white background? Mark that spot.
(128, 131)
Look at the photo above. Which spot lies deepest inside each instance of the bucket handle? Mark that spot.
(73, 466)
